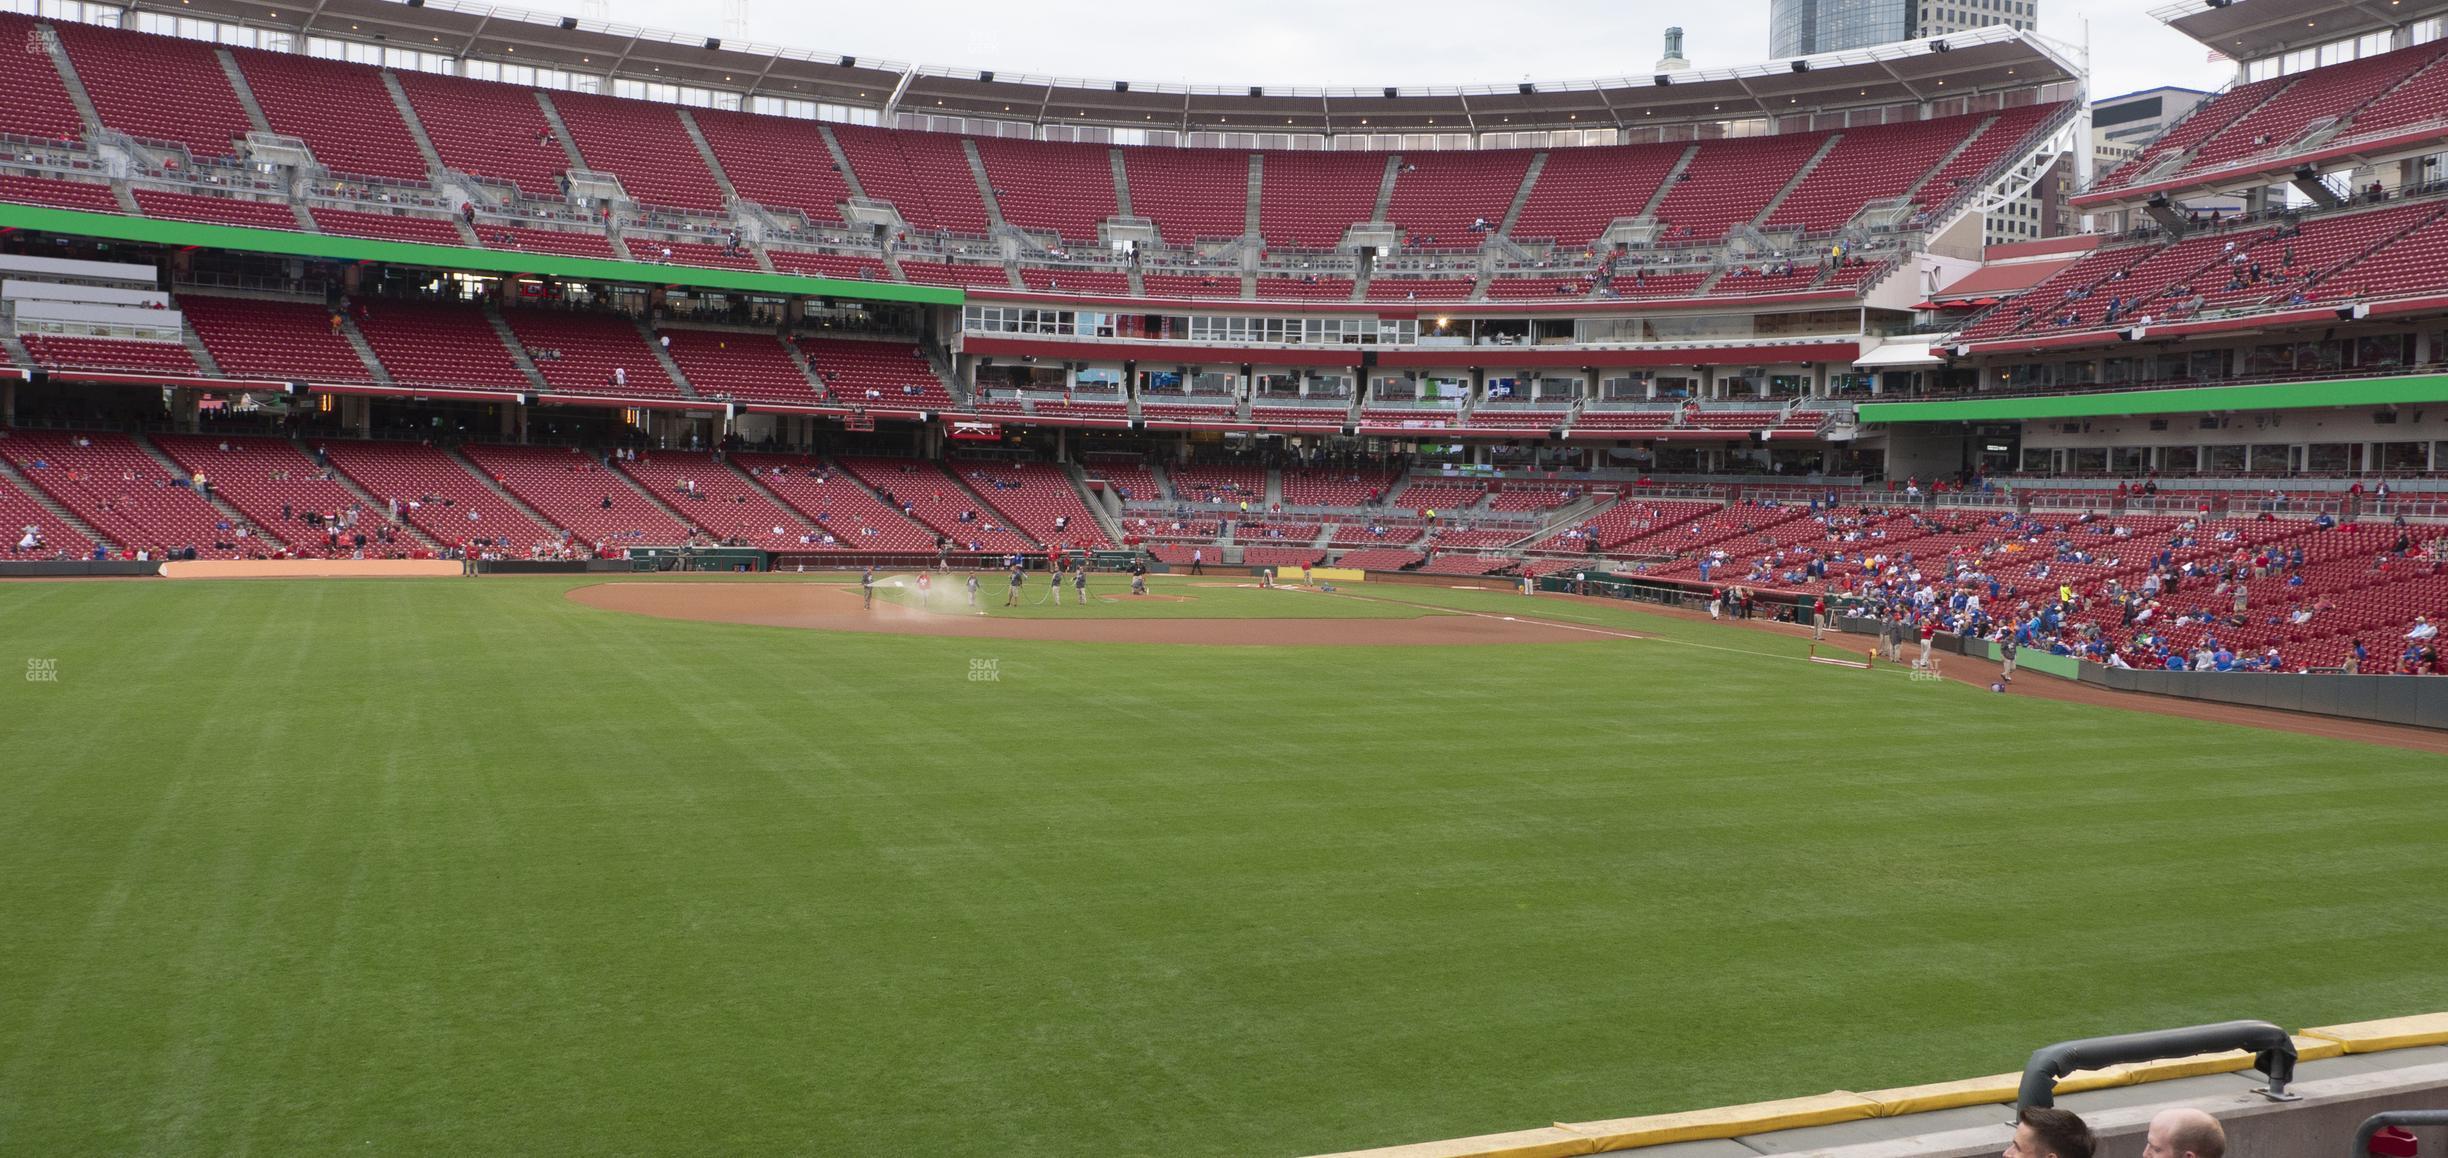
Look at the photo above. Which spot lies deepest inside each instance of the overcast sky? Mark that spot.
(1335, 43)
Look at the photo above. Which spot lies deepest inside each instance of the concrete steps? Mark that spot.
(10, 477)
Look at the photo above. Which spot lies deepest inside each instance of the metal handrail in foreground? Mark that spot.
(2273, 1048)
(2378, 1122)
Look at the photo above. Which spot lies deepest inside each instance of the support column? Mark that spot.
(183, 411)
(8, 404)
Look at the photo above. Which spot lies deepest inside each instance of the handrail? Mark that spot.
(2378, 1122)
(2274, 1055)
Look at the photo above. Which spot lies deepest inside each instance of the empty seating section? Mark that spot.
(125, 495)
(1049, 185)
(435, 344)
(842, 265)
(2316, 97)
(1379, 559)
(563, 242)
(1530, 498)
(1310, 200)
(1189, 193)
(1438, 195)
(53, 352)
(835, 505)
(262, 476)
(342, 111)
(1579, 191)
(1134, 482)
(777, 162)
(387, 226)
(1424, 289)
(2421, 100)
(1728, 182)
(591, 354)
(717, 498)
(1322, 417)
(2047, 298)
(1177, 285)
(1518, 418)
(2197, 126)
(38, 105)
(1316, 487)
(53, 539)
(644, 143)
(1641, 283)
(2006, 135)
(1506, 289)
(215, 210)
(493, 131)
(938, 501)
(1226, 486)
(749, 367)
(1466, 565)
(1872, 163)
(156, 88)
(698, 254)
(1440, 496)
(1628, 519)
(2334, 250)
(578, 492)
(1037, 498)
(58, 194)
(278, 340)
(925, 175)
(1075, 281)
(435, 493)
(875, 373)
(955, 274)
(2398, 267)
(1624, 420)
(1276, 555)
(1314, 289)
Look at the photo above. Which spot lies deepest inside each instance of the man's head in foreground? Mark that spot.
(2185, 1133)
(2049, 1133)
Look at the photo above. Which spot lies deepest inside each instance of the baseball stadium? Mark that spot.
(584, 589)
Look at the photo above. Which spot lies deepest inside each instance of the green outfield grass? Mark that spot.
(465, 867)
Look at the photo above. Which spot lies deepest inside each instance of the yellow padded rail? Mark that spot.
(1727, 1121)
(2388, 1033)
(1575, 1139)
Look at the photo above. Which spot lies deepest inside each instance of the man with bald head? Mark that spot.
(2184, 1133)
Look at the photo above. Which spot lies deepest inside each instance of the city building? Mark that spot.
(1804, 27)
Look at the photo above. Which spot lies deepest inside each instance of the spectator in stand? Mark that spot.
(2048, 1132)
(2184, 1133)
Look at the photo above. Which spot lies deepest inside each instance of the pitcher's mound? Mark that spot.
(831, 607)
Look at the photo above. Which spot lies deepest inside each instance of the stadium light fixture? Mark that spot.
(1661, 80)
(713, 44)
(986, 76)
(1938, 46)
(850, 62)
(1257, 91)
(1121, 86)
(1528, 89)
(1801, 66)
(1392, 93)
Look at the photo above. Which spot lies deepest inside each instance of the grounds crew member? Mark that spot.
(1079, 582)
(1013, 599)
(867, 584)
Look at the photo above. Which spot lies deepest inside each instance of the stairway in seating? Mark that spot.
(373, 505)
(10, 478)
(1800, 175)
(503, 493)
(518, 353)
(211, 494)
(1521, 196)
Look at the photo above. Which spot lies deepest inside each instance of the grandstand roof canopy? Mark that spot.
(1981, 61)
(2253, 29)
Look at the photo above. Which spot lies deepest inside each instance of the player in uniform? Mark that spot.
(1138, 578)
